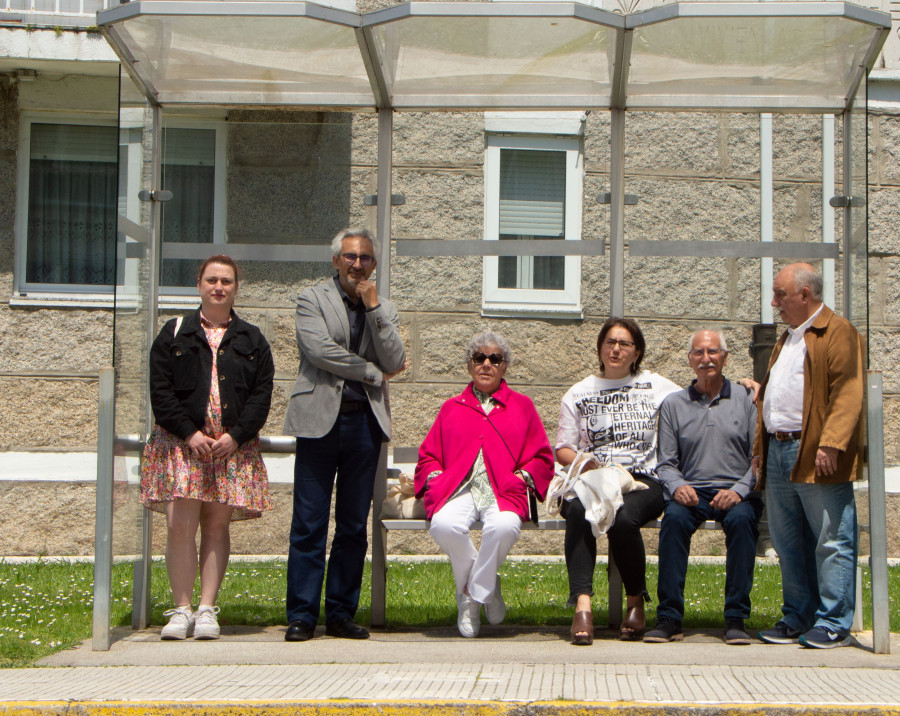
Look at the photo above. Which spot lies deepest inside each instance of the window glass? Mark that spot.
(532, 205)
(189, 158)
(71, 205)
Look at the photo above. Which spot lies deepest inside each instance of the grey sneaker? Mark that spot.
(181, 623)
(781, 633)
(468, 619)
(206, 626)
(823, 638)
(665, 630)
(735, 634)
(496, 610)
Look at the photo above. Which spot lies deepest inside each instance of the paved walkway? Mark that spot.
(504, 671)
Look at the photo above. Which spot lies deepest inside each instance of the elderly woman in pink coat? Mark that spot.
(486, 450)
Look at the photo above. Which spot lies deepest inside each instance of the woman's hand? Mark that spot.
(224, 446)
(566, 456)
(200, 444)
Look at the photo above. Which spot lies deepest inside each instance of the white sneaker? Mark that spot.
(181, 623)
(206, 625)
(495, 611)
(468, 620)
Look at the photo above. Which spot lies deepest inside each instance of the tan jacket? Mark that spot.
(832, 401)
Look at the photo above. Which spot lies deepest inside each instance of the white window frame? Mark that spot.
(565, 303)
(48, 294)
(179, 295)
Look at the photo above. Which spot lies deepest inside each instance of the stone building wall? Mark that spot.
(300, 176)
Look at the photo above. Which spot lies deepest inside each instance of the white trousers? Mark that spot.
(475, 572)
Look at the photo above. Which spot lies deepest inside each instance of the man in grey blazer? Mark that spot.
(349, 347)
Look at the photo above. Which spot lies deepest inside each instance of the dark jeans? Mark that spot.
(351, 450)
(741, 525)
(625, 542)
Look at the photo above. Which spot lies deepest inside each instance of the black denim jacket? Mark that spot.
(181, 371)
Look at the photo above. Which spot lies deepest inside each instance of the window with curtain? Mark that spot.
(71, 205)
(189, 172)
(533, 191)
(71, 189)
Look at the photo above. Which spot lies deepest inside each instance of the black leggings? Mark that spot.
(625, 542)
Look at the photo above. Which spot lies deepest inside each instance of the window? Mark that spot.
(533, 191)
(68, 198)
(189, 171)
(67, 206)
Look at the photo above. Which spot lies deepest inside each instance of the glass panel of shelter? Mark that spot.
(294, 178)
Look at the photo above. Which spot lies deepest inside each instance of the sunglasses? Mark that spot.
(364, 259)
(495, 358)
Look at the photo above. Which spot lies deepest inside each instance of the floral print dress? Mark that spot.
(169, 471)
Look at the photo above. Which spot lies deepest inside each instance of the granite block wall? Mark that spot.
(298, 177)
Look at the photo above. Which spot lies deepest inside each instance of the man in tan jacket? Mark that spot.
(808, 453)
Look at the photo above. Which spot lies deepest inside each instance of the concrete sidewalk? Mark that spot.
(507, 670)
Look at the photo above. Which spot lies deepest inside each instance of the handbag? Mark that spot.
(401, 501)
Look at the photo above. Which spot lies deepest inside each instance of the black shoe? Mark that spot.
(781, 633)
(346, 629)
(735, 634)
(665, 630)
(824, 638)
(300, 631)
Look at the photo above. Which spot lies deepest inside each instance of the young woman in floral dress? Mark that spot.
(211, 376)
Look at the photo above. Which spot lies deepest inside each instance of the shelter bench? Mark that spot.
(409, 455)
(615, 578)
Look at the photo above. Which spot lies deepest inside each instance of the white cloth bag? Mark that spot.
(600, 490)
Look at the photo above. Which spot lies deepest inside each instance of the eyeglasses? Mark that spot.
(612, 343)
(495, 358)
(364, 259)
(711, 352)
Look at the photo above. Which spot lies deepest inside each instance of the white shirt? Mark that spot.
(783, 399)
(616, 419)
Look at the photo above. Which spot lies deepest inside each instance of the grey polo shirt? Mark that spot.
(707, 443)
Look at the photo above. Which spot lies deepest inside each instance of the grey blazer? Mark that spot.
(323, 337)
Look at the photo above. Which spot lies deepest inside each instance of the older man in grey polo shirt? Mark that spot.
(705, 446)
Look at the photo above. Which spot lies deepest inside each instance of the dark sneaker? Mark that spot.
(665, 630)
(824, 638)
(735, 634)
(781, 633)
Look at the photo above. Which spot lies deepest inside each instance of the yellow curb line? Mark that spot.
(340, 707)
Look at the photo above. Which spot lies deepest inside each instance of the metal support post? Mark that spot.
(881, 625)
(617, 213)
(766, 203)
(383, 281)
(140, 615)
(847, 190)
(827, 209)
(103, 524)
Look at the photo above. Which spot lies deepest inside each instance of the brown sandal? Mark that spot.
(634, 624)
(583, 629)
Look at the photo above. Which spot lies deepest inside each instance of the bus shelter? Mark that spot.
(260, 128)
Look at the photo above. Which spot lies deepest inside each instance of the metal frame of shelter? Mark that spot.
(765, 57)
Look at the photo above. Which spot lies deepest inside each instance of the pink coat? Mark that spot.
(461, 429)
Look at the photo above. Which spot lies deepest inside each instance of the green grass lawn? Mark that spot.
(46, 606)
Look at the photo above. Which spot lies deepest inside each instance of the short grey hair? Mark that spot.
(350, 233)
(723, 344)
(489, 338)
(810, 278)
